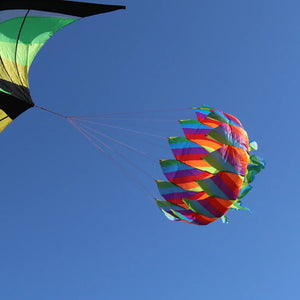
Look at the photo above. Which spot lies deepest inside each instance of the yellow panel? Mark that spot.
(9, 67)
(5, 120)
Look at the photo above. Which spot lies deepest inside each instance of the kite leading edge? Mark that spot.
(25, 26)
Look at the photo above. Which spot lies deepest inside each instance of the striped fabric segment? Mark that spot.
(205, 204)
(210, 207)
(230, 135)
(177, 213)
(173, 193)
(211, 171)
(228, 158)
(223, 185)
(215, 117)
(224, 134)
(234, 120)
(182, 174)
(191, 153)
(184, 149)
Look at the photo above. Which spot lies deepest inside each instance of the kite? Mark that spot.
(25, 26)
(212, 169)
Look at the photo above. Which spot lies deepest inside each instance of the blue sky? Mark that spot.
(73, 226)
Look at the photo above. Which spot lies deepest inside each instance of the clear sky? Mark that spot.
(73, 226)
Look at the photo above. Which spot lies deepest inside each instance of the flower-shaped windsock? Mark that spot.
(211, 171)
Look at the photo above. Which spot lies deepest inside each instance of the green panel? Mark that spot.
(218, 137)
(25, 55)
(215, 166)
(35, 29)
(178, 139)
(164, 184)
(217, 117)
(169, 162)
(35, 32)
(189, 122)
(9, 29)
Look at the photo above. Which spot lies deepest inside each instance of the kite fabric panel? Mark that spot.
(211, 171)
(25, 26)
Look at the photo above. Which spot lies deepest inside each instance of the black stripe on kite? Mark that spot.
(3, 118)
(17, 91)
(79, 9)
(13, 106)
(16, 52)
